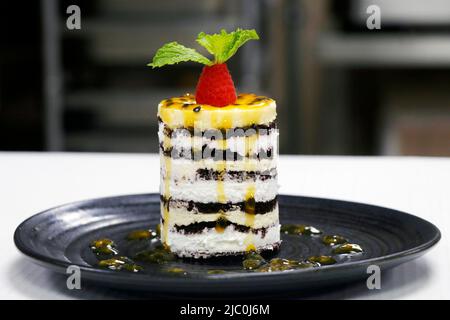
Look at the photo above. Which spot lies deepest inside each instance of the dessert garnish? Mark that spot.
(158, 255)
(332, 240)
(120, 263)
(299, 229)
(142, 235)
(215, 86)
(347, 248)
(216, 271)
(322, 260)
(252, 261)
(176, 270)
(103, 247)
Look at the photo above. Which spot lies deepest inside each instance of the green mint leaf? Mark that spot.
(224, 45)
(174, 52)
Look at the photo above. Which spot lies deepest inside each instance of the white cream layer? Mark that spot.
(182, 217)
(210, 242)
(206, 191)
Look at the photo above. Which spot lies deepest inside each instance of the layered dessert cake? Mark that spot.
(218, 159)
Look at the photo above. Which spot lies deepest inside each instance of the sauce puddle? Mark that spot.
(108, 254)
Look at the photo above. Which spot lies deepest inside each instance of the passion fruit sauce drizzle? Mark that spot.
(104, 247)
(299, 229)
(120, 263)
(108, 255)
(142, 235)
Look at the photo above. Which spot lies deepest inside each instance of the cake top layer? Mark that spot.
(248, 109)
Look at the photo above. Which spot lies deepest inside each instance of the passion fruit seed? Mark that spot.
(120, 263)
(333, 240)
(132, 267)
(265, 268)
(253, 256)
(306, 264)
(252, 264)
(176, 270)
(103, 247)
(253, 260)
(348, 248)
(142, 235)
(279, 264)
(294, 264)
(322, 260)
(282, 262)
(216, 271)
(299, 229)
(158, 255)
(280, 268)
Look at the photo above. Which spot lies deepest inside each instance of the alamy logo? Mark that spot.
(74, 20)
(74, 280)
(374, 280)
(373, 22)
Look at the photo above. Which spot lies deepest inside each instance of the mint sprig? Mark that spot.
(222, 45)
(174, 52)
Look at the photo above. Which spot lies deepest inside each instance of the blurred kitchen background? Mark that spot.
(341, 88)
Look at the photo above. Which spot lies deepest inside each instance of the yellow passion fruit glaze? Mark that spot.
(249, 109)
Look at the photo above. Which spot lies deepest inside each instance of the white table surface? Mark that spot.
(32, 182)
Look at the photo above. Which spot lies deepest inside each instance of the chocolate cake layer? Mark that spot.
(215, 154)
(215, 207)
(198, 227)
(261, 129)
(238, 176)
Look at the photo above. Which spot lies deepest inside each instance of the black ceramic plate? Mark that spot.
(60, 237)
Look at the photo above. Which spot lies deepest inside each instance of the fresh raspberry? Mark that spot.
(215, 86)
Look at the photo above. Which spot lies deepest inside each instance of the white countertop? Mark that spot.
(32, 182)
